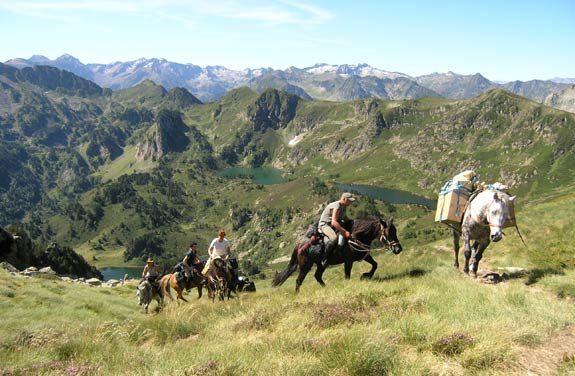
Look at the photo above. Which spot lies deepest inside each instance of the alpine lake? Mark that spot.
(270, 175)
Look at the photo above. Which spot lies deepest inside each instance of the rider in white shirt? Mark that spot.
(219, 247)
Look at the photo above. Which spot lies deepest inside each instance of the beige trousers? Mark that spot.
(329, 232)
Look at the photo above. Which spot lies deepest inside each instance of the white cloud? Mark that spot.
(276, 12)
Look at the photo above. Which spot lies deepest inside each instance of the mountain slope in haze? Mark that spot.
(536, 90)
(564, 99)
(456, 86)
(321, 81)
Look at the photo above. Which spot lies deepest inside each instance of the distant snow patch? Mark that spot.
(294, 141)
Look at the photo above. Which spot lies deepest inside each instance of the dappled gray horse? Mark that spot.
(482, 222)
(146, 293)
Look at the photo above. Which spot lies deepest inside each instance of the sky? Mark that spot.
(503, 40)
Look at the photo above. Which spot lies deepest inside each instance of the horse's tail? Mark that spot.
(165, 286)
(284, 275)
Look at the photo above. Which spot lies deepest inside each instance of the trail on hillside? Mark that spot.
(543, 360)
(546, 359)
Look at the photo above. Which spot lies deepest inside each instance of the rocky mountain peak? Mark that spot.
(39, 59)
(273, 109)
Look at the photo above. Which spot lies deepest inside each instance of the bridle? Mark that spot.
(387, 244)
(485, 222)
(359, 246)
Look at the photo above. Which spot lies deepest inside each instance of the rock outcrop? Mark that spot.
(167, 134)
(19, 251)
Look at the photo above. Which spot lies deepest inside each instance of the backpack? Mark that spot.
(312, 230)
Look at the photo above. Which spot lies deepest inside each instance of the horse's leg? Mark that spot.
(456, 237)
(347, 269)
(211, 292)
(474, 247)
(303, 270)
(166, 285)
(179, 292)
(160, 299)
(369, 275)
(478, 255)
(199, 291)
(319, 273)
(466, 251)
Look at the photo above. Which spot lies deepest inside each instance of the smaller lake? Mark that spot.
(393, 196)
(259, 175)
(119, 273)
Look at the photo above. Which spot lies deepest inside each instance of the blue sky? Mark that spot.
(503, 40)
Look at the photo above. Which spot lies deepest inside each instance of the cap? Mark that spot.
(348, 196)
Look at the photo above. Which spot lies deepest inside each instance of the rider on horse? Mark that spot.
(330, 222)
(219, 248)
(152, 273)
(191, 260)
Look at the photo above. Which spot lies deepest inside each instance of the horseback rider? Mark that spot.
(191, 260)
(152, 273)
(219, 247)
(330, 222)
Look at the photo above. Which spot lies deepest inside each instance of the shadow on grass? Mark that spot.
(534, 275)
(411, 273)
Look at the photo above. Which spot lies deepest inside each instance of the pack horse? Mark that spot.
(483, 220)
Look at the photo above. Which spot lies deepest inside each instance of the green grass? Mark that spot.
(418, 316)
(125, 164)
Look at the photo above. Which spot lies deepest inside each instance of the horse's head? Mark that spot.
(219, 263)
(143, 293)
(388, 235)
(498, 213)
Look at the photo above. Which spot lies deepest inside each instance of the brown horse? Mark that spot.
(363, 232)
(219, 280)
(171, 281)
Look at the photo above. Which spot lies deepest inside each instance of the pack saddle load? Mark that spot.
(456, 193)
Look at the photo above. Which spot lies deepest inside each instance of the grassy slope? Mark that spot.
(399, 324)
(418, 317)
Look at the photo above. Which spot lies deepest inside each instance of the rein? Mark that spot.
(359, 246)
(487, 224)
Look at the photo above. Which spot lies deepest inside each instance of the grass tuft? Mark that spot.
(453, 344)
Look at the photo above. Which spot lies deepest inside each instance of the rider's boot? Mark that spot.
(329, 247)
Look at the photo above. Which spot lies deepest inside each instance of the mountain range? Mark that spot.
(321, 81)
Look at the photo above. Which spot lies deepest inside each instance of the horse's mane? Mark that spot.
(363, 225)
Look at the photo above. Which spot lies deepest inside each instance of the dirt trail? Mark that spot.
(543, 360)
(546, 359)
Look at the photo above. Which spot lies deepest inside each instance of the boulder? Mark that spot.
(513, 271)
(9, 267)
(94, 282)
(47, 270)
(30, 271)
(112, 283)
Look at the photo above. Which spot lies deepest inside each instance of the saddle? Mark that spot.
(154, 282)
(313, 245)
